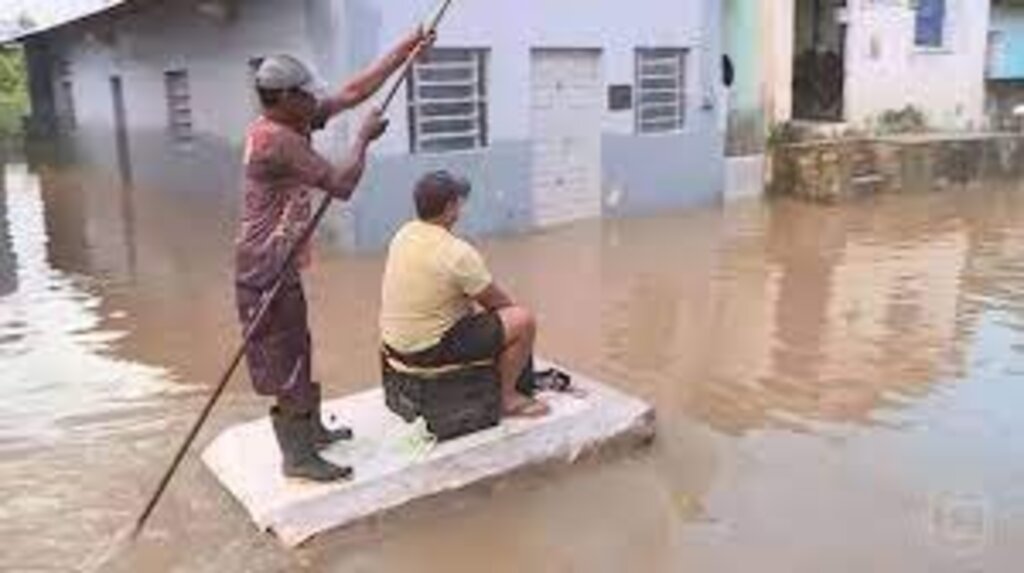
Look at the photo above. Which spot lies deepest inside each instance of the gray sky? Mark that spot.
(49, 12)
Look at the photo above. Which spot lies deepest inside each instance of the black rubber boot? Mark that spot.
(323, 437)
(299, 458)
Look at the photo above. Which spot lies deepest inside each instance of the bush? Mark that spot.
(906, 120)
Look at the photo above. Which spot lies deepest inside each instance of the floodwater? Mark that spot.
(838, 389)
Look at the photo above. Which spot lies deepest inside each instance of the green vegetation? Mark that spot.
(907, 120)
(13, 90)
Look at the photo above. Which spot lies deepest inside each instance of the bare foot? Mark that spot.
(523, 407)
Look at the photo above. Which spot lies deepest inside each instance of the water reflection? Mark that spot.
(8, 263)
(785, 316)
(56, 364)
(889, 328)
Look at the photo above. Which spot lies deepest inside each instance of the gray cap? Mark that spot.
(284, 73)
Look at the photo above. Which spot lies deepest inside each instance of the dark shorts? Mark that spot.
(279, 356)
(475, 338)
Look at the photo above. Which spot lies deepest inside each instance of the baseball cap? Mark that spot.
(284, 72)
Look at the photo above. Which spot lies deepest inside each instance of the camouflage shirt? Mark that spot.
(281, 168)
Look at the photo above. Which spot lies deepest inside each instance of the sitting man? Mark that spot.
(431, 282)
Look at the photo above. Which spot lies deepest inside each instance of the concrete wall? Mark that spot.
(641, 173)
(175, 35)
(837, 170)
(886, 71)
(340, 36)
(743, 37)
(778, 47)
(760, 37)
(216, 54)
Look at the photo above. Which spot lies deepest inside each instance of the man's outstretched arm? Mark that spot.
(367, 82)
(343, 181)
(339, 180)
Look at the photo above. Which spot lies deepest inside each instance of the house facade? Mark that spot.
(855, 60)
(1004, 72)
(557, 111)
(845, 63)
(758, 43)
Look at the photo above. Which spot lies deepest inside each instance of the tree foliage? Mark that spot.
(13, 89)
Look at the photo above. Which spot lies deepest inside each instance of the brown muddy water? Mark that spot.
(838, 389)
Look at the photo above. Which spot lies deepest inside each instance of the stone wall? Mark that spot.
(836, 170)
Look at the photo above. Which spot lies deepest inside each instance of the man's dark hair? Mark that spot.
(435, 191)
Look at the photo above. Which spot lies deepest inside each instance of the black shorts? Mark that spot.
(475, 338)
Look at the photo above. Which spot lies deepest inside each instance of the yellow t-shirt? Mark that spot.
(429, 280)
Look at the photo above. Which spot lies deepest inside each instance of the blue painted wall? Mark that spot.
(1007, 43)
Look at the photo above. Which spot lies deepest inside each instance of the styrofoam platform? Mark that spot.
(390, 471)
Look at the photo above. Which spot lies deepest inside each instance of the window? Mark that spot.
(448, 101)
(65, 96)
(660, 90)
(930, 24)
(179, 105)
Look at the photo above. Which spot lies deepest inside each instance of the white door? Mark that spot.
(567, 104)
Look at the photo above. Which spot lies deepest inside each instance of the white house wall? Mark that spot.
(640, 172)
(173, 35)
(886, 71)
(216, 55)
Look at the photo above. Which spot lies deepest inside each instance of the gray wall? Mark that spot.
(641, 173)
(500, 200)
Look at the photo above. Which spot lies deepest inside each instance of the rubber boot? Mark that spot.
(323, 437)
(298, 450)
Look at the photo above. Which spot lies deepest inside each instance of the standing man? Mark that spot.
(281, 169)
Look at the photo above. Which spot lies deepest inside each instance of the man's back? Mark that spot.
(429, 280)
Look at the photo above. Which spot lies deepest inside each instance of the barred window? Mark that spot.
(179, 105)
(660, 89)
(447, 95)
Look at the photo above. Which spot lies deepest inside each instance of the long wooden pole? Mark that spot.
(268, 299)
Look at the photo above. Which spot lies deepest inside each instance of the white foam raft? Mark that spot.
(390, 471)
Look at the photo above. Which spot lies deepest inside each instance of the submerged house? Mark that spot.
(855, 60)
(832, 65)
(847, 62)
(556, 110)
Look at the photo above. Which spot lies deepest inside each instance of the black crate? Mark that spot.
(453, 404)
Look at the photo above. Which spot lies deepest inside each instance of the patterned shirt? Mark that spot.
(281, 169)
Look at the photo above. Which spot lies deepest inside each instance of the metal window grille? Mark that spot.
(179, 105)
(930, 23)
(447, 98)
(660, 90)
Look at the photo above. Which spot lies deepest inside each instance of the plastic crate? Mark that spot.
(453, 404)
